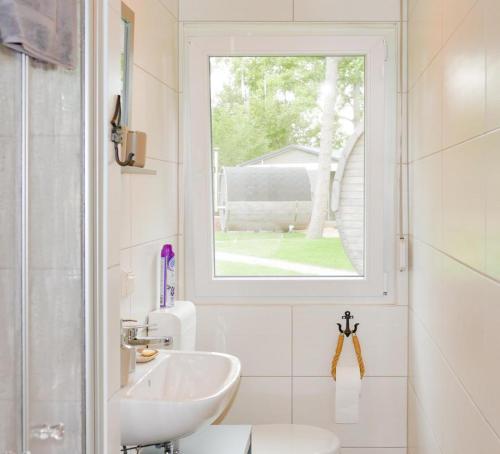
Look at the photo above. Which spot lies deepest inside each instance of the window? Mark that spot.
(288, 165)
(289, 153)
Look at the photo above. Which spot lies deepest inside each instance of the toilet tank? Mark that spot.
(178, 322)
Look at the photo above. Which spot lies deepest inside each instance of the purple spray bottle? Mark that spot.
(167, 292)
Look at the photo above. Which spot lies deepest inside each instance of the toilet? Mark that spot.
(180, 323)
(293, 439)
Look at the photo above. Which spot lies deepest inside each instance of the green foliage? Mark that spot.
(270, 102)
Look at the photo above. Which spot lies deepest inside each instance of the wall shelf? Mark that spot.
(138, 171)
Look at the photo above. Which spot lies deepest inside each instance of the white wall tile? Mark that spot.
(114, 212)
(453, 404)
(425, 36)
(155, 111)
(154, 203)
(458, 425)
(125, 232)
(456, 11)
(464, 81)
(472, 300)
(425, 112)
(426, 199)
(411, 6)
(114, 6)
(155, 40)
(426, 282)
(113, 330)
(340, 10)
(382, 334)
(421, 440)
(492, 163)
(382, 420)
(259, 335)
(172, 6)
(464, 203)
(492, 39)
(261, 400)
(236, 10)
(448, 298)
(125, 267)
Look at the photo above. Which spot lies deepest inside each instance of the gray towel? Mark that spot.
(43, 29)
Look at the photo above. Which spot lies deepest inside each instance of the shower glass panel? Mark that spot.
(42, 306)
(10, 248)
(56, 306)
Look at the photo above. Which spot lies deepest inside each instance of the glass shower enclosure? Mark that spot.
(42, 298)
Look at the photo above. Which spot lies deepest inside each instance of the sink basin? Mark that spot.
(175, 395)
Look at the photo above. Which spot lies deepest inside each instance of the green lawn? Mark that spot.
(291, 247)
(245, 269)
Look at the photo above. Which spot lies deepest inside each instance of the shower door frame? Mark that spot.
(95, 283)
(94, 135)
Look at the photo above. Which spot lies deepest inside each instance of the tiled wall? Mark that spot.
(143, 209)
(286, 354)
(454, 107)
(286, 351)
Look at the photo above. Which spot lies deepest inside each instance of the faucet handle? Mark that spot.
(142, 326)
(130, 331)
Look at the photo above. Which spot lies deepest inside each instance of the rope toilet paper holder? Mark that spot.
(347, 332)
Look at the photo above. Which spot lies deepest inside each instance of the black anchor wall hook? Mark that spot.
(347, 331)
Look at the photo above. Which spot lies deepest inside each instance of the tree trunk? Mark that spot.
(322, 189)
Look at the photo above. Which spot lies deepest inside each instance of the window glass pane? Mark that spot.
(288, 165)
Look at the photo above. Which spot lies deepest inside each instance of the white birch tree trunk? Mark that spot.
(320, 202)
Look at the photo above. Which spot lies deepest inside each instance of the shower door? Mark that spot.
(42, 305)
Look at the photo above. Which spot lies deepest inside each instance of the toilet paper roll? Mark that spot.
(347, 394)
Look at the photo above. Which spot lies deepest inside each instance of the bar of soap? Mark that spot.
(148, 352)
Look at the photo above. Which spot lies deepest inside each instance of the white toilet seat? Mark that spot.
(293, 439)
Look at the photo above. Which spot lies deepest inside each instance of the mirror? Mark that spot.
(128, 19)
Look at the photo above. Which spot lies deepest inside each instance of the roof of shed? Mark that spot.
(309, 150)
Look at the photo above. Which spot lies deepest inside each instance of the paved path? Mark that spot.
(308, 270)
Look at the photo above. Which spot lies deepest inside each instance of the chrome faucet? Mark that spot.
(130, 337)
(129, 340)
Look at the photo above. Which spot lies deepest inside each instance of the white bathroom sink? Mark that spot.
(175, 395)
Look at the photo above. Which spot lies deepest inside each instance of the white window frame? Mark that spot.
(378, 46)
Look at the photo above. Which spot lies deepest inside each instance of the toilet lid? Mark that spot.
(293, 439)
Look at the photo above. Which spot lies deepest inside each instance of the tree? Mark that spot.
(320, 202)
(267, 103)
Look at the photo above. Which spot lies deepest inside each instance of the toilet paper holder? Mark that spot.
(347, 331)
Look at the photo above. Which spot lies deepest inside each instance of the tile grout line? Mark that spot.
(424, 412)
(455, 259)
(458, 144)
